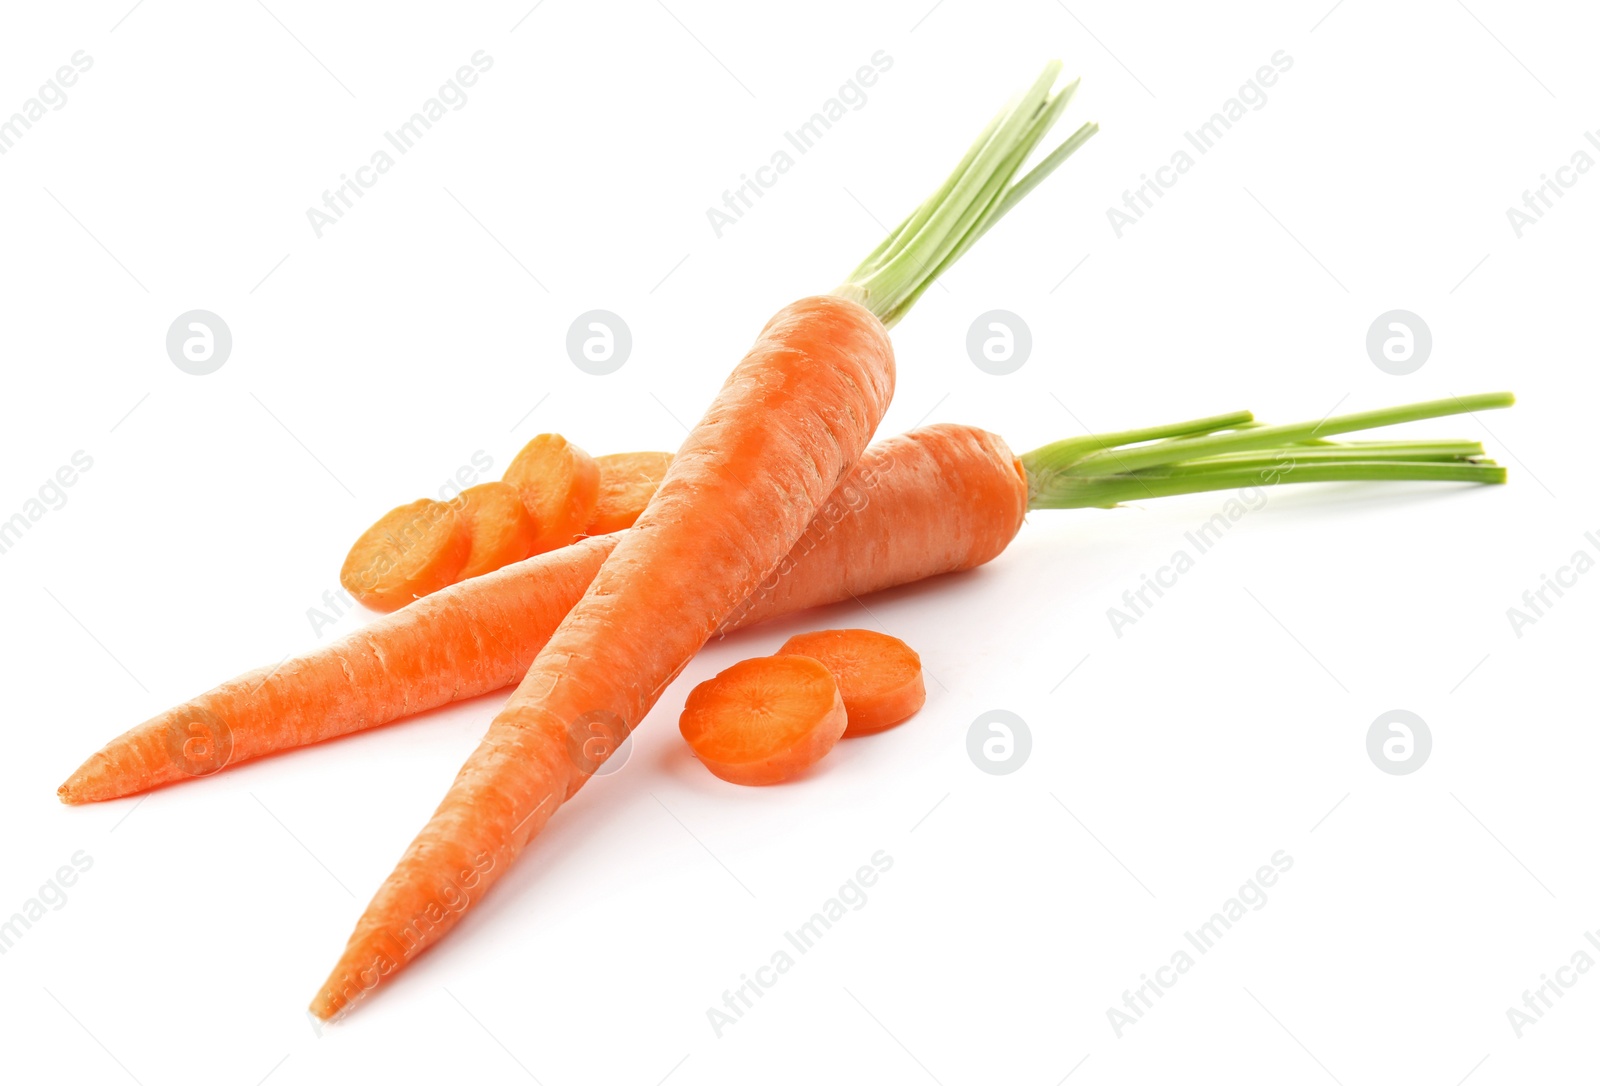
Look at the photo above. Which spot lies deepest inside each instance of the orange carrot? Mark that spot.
(502, 529)
(627, 483)
(784, 431)
(939, 499)
(787, 426)
(764, 720)
(936, 500)
(879, 677)
(411, 551)
(559, 484)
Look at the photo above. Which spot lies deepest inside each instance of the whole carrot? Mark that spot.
(936, 500)
(1223, 452)
(940, 499)
(784, 431)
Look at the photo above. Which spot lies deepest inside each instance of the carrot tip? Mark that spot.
(77, 789)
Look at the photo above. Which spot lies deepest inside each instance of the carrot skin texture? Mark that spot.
(941, 499)
(937, 500)
(465, 640)
(787, 427)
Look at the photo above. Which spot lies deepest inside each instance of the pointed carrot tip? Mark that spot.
(327, 1008)
(91, 783)
(84, 786)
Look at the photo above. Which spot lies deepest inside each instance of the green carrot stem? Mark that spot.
(1060, 455)
(1107, 491)
(1012, 195)
(1354, 450)
(1046, 165)
(980, 190)
(1264, 437)
(1234, 450)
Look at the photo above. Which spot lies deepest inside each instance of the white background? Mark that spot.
(429, 324)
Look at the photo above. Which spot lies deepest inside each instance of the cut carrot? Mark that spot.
(502, 529)
(627, 483)
(784, 431)
(936, 500)
(879, 677)
(940, 499)
(559, 484)
(726, 527)
(411, 551)
(764, 720)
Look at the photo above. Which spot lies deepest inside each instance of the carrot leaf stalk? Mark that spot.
(1229, 451)
(971, 200)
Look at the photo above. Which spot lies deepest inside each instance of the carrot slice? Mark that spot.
(627, 483)
(503, 531)
(764, 720)
(559, 484)
(411, 551)
(879, 677)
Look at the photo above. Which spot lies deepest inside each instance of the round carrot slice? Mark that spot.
(560, 484)
(411, 551)
(764, 720)
(502, 529)
(879, 677)
(627, 483)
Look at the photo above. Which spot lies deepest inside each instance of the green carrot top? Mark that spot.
(1224, 452)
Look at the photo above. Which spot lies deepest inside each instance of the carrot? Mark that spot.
(940, 499)
(627, 483)
(411, 551)
(879, 677)
(936, 500)
(787, 427)
(764, 720)
(502, 529)
(469, 639)
(559, 484)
